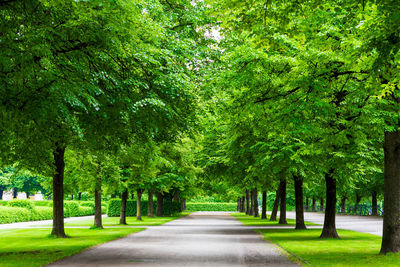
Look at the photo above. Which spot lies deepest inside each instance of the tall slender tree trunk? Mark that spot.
(79, 195)
(238, 204)
(298, 192)
(374, 204)
(183, 204)
(314, 204)
(97, 199)
(307, 206)
(150, 204)
(243, 209)
(321, 207)
(139, 193)
(247, 202)
(391, 211)
(343, 205)
(329, 229)
(124, 199)
(264, 205)
(15, 193)
(255, 201)
(252, 202)
(282, 212)
(276, 205)
(159, 208)
(1, 194)
(58, 192)
(358, 199)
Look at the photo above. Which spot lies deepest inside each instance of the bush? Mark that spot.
(21, 203)
(14, 214)
(114, 208)
(42, 213)
(3, 202)
(85, 211)
(42, 203)
(71, 209)
(211, 206)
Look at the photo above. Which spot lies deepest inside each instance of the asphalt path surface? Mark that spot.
(200, 239)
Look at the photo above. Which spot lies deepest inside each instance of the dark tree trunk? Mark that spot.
(343, 205)
(307, 206)
(264, 205)
(314, 204)
(139, 204)
(358, 199)
(150, 204)
(374, 204)
(15, 193)
(252, 202)
(159, 208)
(176, 196)
(58, 192)
(391, 211)
(124, 199)
(247, 202)
(97, 208)
(1, 193)
(276, 205)
(298, 192)
(242, 207)
(255, 201)
(183, 204)
(329, 229)
(282, 212)
(238, 204)
(132, 195)
(79, 195)
(27, 195)
(321, 207)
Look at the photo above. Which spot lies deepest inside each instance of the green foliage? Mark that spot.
(114, 208)
(21, 203)
(190, 206)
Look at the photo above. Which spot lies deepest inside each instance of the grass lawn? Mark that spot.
(352, 249)
(131, 221)
(252, 221)
(34, 247)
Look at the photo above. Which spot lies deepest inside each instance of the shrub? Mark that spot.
(71, 208)
(14, 214)
(87, 204)
(85, 211)
(42, 213)
(21, 203)
(114, 208)
(3, 202)
(211, 207)
(42, 203)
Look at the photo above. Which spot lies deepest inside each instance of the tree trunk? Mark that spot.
(282, 212)
(276, 205)
(183, 204)
(238, 204)
(358, 199)
(264, 205)
(159, 208)
(15, 192)
(79, 195)
(176, 196)
(314, 204)
(374, 204)
(1, 194)
(139, 204)
(242, 208)
(307, 206)
(329, 229)
(321, 207)
(252, 202)
(58, 192)
(97, 208)
(132, 195)
(343, 205)
(150, 204)
(298, 192)
(391, 211)
(255, 201)
(124, 199)
(247, 203)
(27, 195)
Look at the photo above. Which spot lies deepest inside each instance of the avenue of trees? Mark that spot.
(229, 98)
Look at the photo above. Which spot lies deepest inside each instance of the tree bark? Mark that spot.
(374, 204)
(391, 212)
(150, 204)
(183, 204)
(124, 199)
(238, 204)
(159, 208)
(329, 229)
(58, 192)
(276, 205)
(307, 206)
(298, 192)
(247, 203)
(314, 206)
(255, 201)
(264, 205)
(321, 207)
(343, 205)
(242, 208)
(15, 192)
(252, 202)
(1, 194)
(282, 212)
(79, 195)
(358, 199)
(97, 208)
(139, 204)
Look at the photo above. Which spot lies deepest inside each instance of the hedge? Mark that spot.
(114, 208)
(21, 203)
(211, 206)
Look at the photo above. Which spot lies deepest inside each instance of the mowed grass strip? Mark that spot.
(352, 249)
(34, 247)
(257, 221)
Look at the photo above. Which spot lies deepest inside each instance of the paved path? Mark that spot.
(200, 239)
(364, 224)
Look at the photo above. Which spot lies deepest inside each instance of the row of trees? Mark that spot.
(308, 93)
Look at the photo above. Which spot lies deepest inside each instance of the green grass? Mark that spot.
(252, 221)
(131, 221)
(352, 249)
(34, 247)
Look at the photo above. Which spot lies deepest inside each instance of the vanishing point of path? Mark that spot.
(200, 239)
